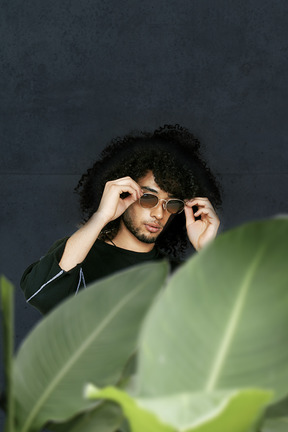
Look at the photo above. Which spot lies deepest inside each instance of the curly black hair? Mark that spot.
(172, 153)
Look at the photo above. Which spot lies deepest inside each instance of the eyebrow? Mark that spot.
(149, 189)
(154, 190)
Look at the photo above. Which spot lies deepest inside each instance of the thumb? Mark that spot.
(190, 219)
(128, 201)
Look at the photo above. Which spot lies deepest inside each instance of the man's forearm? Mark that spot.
(80, 243)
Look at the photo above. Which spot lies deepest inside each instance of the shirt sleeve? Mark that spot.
(45, 284)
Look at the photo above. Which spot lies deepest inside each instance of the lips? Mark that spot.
(153, 228)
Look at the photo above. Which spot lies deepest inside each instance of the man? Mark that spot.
(147, 198)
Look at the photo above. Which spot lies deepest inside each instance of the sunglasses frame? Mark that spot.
(164, 204)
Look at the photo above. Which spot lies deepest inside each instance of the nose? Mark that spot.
(158, 211)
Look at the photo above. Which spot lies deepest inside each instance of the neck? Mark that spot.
(124, 239)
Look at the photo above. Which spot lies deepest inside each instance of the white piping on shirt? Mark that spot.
(46, 283)
(81, 278)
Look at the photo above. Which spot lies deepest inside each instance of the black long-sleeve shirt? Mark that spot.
(45, 284)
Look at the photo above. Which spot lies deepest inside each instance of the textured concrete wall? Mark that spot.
(75, 73)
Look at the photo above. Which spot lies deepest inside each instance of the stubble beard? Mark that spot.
(128, 222)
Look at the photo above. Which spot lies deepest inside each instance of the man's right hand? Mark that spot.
(110, 208)
(112, 205)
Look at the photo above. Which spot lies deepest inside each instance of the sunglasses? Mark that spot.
(173, 205)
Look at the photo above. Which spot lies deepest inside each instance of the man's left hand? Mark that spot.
(203, 230)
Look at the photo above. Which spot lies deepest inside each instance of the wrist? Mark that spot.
(100, 219)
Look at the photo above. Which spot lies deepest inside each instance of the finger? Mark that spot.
(125, 180)
(206, 210)
(134, 193)
(128, 201)
(207, 214)
(189, 215)
(121, 187)
(200, 204)
(199, 200)
(131, 183)
(118, 189)
(202, 211)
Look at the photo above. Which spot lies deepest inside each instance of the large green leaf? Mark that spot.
(230, 411)
(280, 409)
(222, 322)
(275, 425)
(7, 312)
(104, 418)
(89, 337)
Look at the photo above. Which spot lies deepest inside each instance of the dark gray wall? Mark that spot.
(74, 74)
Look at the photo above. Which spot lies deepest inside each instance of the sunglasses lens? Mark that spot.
(148, 201)
(175, 206)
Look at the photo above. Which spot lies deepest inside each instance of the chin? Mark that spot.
(147, 240)
(144, 238)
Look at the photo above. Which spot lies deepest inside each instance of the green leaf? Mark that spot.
(105, 418)
(275, 425)
(7, 312)
(222, 322)
(140, 419)
(89, 337)
(279, 409)
(237, 411)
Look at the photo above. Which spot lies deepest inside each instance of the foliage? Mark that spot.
(107, 417)
(212, 355)
(189, 412)
(88, 337)
(7, 313)
(227, 331)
